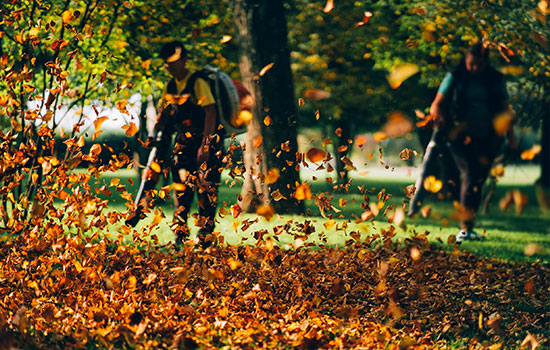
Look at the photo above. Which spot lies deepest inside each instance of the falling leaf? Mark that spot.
(401, 73)
(277, 196)
(272, 176)
(302, 192)
(301, 102)
(226, 39)
(432, 184)
(236, 210)
(315, 155)
(155, 167)
(530, 341)
(366, 18)
(316, 94)
(131, 129)
(268, 121)
(503, 123)
(266, 211)
(80, 142)
(409, 191)
(380, 136)
(257, 142)
(531, 153)
(360, 140)
(497, 171)
(244, 118)
(329, 6)
(397, 125)
(67, 16)
(544, 7)
(266, 69)
(99, 121)
(329, 224)
(405, 154)
(511, 70)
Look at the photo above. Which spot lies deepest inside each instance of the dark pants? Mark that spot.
(474, 161)
(190, 178)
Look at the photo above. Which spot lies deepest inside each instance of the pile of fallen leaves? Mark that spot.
(59, 292)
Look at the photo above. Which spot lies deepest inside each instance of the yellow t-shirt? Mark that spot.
(201, 92)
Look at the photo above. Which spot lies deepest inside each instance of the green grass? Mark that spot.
(509, 236)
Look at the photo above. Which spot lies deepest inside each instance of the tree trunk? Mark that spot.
(341, 134)
(262, 35)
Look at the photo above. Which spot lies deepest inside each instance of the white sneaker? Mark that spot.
(469, 235)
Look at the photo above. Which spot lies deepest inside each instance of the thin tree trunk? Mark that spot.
(261, 27)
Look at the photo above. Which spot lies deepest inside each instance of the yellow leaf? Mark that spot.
(156, 167)
(156, 219)
(80, 142)
(401, 73)
(329, 224)
(244, 118)
(226, 39)
(432, 184)
(268, 121)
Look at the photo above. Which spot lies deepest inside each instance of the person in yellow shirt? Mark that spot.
(188, 110)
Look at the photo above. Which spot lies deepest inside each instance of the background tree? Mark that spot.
(272, 134)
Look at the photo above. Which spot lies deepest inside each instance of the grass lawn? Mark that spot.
(510, 236)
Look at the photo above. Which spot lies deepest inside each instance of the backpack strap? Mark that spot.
(172, 88)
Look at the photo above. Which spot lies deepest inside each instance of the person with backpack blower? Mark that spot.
(188, 110)
(470, 107)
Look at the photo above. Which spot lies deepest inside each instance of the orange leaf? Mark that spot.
(272, 176)
(257, 142)
(316, 94)
(99, 121)
(265, 69)
(366, 18)
(315, 155)
(379, 136)
(155, 167)
(329, 6)
(302, 192)
(131, 129)
(531, 153)
(266, 211)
